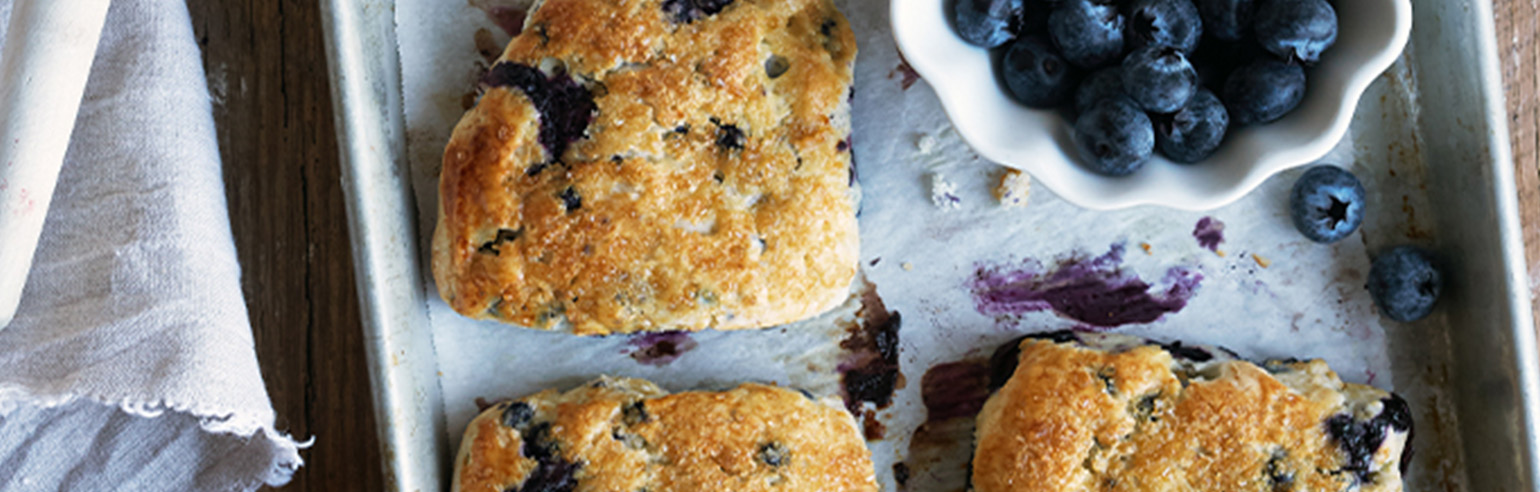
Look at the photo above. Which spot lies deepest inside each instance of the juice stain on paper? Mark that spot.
(1096, 291)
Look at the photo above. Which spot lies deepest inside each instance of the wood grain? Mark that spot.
(267, 72)
(1516, 22)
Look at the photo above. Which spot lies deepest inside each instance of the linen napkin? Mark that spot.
(130, 364)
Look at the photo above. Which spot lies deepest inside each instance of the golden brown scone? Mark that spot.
(628, 435)
(1087, 411)
(648, 165)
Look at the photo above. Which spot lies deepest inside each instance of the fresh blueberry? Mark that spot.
(1114, 137)
(1263, 91)
(1226, 20)
(1159, 78)
(1101, 84)
(1296, 29)
(1405, 283)
(1088, 32)
(986, 23)
(1164, 22)
(1327, 204)
(1036, 75)
(1194, 132)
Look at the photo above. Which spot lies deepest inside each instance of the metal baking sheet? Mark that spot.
(1439, 116)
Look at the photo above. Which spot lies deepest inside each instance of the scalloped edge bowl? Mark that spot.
(1038, 141)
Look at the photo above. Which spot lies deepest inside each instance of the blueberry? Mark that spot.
(566, 107)
(1088, 32)
(1163, 22)
(1194, 132)
(1114, 137)
(1263, 91)
(774, 454)
(687, 11)
(1327, 204)
(986, 23)
(1405, 283)
(517, 414)
(1296, 29)
(1159, 78)
(1036, 75)
(1102, 84)
(1226, 20)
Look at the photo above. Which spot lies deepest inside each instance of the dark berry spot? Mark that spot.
(1109, 381)
(901, 473)
(565, 107)
(1194, 354)
(1146, 407)
(807, 394)
(776, 66)
(827, 28)
(552, 473)
(730, 137)
(774, 454)
(635, 413)
(503, 236)
(571, 199)
(682, 129)
(517, 414)
(1278, 475)
(687, 11)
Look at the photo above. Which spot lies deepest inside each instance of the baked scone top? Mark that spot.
(1115, 414)
(629, 435)
(643, 165)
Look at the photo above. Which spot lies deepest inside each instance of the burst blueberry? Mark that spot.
(1159, 78)
(1114, 137)
(1089, 33)
(1296, 29)
(1035, 74)
(1405, 283)
(986, 23)
(1327, 204)
(1173, 23)
(1194, 132)
(1263, 91)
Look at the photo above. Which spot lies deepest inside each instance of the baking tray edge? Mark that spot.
(366, 98)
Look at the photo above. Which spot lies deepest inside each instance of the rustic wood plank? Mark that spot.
(1516, 22)
(267, 74)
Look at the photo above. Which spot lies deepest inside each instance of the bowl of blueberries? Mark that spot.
(1187, 104)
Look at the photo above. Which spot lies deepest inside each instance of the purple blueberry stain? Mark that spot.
(566, 107)
(1209, 232)
(661, 348)
(1096, 291)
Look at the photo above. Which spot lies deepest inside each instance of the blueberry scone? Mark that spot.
(1080, 411)
(648, 165)
(628, 435)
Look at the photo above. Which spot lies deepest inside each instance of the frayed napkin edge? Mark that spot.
(286, 459)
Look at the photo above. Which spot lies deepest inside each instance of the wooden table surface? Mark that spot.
(267, 73)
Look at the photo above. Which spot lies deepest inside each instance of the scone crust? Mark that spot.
(1078, 418)
(702, 193)
(627, 434)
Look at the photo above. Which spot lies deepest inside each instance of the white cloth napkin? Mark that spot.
(130, 364)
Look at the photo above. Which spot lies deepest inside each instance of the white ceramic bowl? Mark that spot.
(1371, 34)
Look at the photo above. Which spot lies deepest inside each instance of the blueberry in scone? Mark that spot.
(628, 434)
(1087, 411)
(655, 165)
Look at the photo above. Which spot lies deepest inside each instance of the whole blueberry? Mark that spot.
(986, 23)
(1263, 91)
(1101, 84)
(1036, 75)
(1163, 22)
(1089, 33)
(1194, 132)
(1114, 137)
(1296, 29)
(1405, 283)
(1327, 204)
(1226, 20)
(1159, 78)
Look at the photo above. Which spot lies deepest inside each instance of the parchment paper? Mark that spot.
(1263, 290)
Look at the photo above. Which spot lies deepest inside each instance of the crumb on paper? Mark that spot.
(943, 194)
(1146, 248)
(925, 143)
(907, 266)
(1261, 262)
(1014, 188)
(1221, 253)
